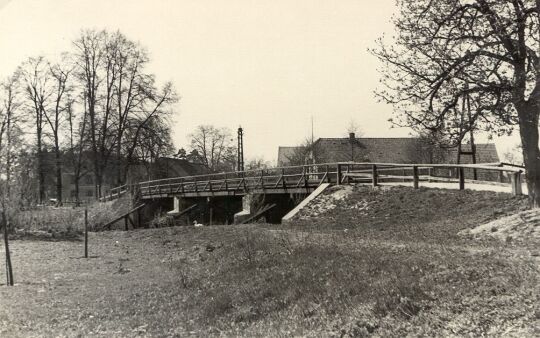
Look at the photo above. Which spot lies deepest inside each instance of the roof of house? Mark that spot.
(285, 154)
(385, 150)
(174, 167)
(391, 150)
(485, 153)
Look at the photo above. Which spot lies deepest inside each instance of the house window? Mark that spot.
(89, 193)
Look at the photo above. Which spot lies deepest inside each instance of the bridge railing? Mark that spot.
(309, 176)
(277, 178)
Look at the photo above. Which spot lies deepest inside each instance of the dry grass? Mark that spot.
(64, 222)
(272, 281)
(434, 215)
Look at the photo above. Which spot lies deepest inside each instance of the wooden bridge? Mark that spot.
(306, 178)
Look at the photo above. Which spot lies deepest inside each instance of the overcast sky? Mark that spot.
(266, 65)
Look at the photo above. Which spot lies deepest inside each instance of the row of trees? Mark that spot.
(95, 107)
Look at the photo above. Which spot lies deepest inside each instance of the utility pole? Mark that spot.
(240, 166)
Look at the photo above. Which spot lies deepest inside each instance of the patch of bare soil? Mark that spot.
(325, 202)
(522, 226)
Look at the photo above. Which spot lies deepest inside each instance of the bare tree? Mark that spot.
(36, 78)
(149, 142)
(307, 152)
(61, 103)
(257, 163)
(8, 126)
(77, 132)
(120, 96)
(150, 127)
(354, 128)
(215, 147)
(131, 88)
(485, 52)
(89, 58)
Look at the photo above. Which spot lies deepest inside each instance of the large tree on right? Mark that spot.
(479, 56)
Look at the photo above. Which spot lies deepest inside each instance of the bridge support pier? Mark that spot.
(177, 201)
(245, 213)
(253, 203)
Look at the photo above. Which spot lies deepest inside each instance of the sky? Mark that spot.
(268, 66)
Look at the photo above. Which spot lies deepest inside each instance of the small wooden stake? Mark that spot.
(126, 224)
(85, 232)
(415, 177)
(461, 178)
(374, 180)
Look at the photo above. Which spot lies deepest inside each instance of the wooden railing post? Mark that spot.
(516, 183)
(327, 175)
(339, 174)
(461, 176)
(374, 179)
(284, 179)
(304, 174)
(415, 177)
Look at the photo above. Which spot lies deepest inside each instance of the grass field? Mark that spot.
(381, 263)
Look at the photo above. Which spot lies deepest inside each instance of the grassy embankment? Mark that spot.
(64, 223)
(383, 262)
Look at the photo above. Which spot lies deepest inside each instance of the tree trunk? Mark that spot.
(77, 197)
(58, 173)
(98, 184)
(528, 127)
(9, 268)
(41, 174)
(8, 159)
(119, 174)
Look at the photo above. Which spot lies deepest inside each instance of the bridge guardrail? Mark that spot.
(308, 177)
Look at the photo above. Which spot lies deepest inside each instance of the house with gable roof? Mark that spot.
(387, 150)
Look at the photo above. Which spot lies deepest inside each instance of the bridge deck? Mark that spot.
(300, 179)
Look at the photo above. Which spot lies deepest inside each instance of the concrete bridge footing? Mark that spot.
(221, 209)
